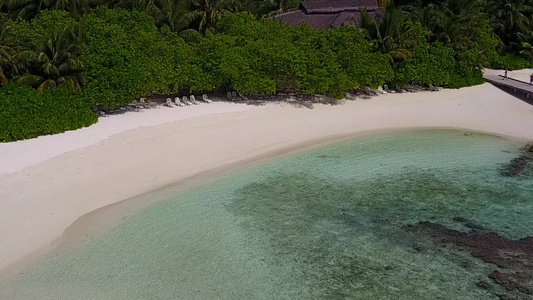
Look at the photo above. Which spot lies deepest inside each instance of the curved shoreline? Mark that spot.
(40, 202)
(89, 226)
(16, 156)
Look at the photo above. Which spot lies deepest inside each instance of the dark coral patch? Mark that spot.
(519, 165)
(514, 258)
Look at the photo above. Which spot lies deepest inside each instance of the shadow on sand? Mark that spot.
(298, 101)
(518, 94)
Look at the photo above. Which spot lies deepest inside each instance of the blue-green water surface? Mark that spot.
(329, 223)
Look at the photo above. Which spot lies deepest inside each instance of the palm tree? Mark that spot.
(509, 16)
(6, 54)
(430, 16)
(25, 9)
(3, 7)
(29, 9)
(527, 51)
(447, 21)
(273, 7)
(206, 13)
(525, 44)
(76, 8)
(171, 13)
(55, 61)
(140, 5)
(391, 35)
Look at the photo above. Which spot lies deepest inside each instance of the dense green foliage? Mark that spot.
(24, 113)
(101, 53)
(441, 65)
(267, 56)
(124, 57)
(47, 51)
(457, 23)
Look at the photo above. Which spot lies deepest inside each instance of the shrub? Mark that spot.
(26, 114)
(252, 55)
(444, 65)
(124, 58)
(511, 62)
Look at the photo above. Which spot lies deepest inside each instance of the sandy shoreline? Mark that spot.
(21, 154)
(46, 185)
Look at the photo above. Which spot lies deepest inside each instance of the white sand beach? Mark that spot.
(47, 183)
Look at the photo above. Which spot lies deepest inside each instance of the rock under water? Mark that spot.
(520, 164)
(513, 258)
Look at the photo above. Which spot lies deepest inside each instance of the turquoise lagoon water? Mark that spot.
(329, 223)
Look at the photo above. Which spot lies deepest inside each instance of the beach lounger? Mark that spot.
(229, 96)
(185, 100)
(242, 97)
(169, 102)
(146, 104)
(193, 100)
(134, 104)
(142, 103)
(206, 100)
(178, 102)
(432, 88)
(234, 96)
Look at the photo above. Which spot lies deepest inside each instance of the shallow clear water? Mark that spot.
(329, 223)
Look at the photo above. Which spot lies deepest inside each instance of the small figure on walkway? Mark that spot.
(531, 78)
(505, 74)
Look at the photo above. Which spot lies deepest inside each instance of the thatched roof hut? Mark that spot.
(325, 14)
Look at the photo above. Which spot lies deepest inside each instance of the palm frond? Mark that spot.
(3, 78)
(190, 35)
(31, 80)
(46, 85)
(27, 55)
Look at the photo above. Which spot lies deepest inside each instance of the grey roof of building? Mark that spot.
(336, 6)
(325, 21)
(320, 21)
(325, 14)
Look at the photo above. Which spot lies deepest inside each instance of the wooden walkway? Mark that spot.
(513, 84)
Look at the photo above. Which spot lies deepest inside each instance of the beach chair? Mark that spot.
(193, 100)
(185, 100)
(229, 96)
(242, 97)
(432, 88)
(169, 102)
(234, 96)
(146, 104)
(178, 102)
(205, 99)
(134, 104)
(142, 103)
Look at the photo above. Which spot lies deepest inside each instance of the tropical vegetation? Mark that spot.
(61, 60)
